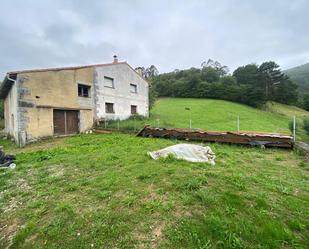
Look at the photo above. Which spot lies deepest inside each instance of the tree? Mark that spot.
(221, 69)
(252, 90)
(148, 72)
(306, 102)
(246, 74)
(140, 70)
(153, 95)
(210, 74)
(247, 85)
(286, 92)
(151, 72)
(228, 80)
(270, 75)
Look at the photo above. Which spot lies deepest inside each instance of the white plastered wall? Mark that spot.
(120, 95)
(10, 112)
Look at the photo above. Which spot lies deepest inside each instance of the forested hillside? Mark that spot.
(300, 75)
(251, 84)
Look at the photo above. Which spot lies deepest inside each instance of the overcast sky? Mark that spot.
(169, 34)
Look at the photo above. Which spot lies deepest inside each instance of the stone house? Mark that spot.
(61, 101)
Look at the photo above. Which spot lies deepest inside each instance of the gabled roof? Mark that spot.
(66, 68)
(8, 82)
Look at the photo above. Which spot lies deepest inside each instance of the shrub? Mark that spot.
(136, 117)
(132, 124)
(306, 125)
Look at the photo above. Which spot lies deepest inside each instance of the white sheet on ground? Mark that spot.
(188, 152)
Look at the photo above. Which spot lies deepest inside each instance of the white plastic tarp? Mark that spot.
(188, 152)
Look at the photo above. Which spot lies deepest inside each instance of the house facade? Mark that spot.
(63, 101)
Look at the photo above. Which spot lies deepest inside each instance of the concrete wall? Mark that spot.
(56, 88)
(86, 120)
(41, 92)
(120, 95)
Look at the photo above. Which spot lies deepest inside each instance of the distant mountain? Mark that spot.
(300, 75)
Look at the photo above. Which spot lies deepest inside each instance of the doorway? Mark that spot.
(66, 122)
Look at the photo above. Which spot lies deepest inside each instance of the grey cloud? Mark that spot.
(169, 34)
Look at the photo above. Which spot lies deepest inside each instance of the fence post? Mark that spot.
(158, 123)
(118, 125)
(190, 121)
(105, 125)
(238, 123)
(294, 129)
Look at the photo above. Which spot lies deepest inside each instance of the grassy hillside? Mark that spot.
(217, 115)
(300, 75)
(211, 114)
(287, 110)
(104, 191)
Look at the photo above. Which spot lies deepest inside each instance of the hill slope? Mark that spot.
(287, 110)
(207, 114)
(219, 115)
(300, 75)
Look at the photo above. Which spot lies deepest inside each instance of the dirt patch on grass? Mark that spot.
(45, 144)
(141, 239)
(56, 170)
(23, 184)
(8, 231)
(157, 233)
(151, 238)
(152, 195)
(120, 194)
(31, 238)
(13, 204)
(179, 213)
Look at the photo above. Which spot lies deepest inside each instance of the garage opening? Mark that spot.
(66, 122)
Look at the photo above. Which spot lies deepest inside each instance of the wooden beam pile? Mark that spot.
(246, 138)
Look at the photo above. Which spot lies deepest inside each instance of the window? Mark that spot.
(109, 82)
(133, 109)
(109, 108)
(83, 90)
(133, 88)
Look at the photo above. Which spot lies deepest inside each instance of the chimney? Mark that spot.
(115, 59)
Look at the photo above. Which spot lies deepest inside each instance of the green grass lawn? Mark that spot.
(210, 114)
(103, 191)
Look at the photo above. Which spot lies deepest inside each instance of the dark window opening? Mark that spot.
(109, 108)
(133, 109)
(83, 90)
(133, 88)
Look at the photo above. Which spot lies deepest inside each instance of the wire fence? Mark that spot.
(136, 123)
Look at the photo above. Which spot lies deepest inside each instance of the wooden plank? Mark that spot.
(246, 138)
(59, 122)
(72, 122)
